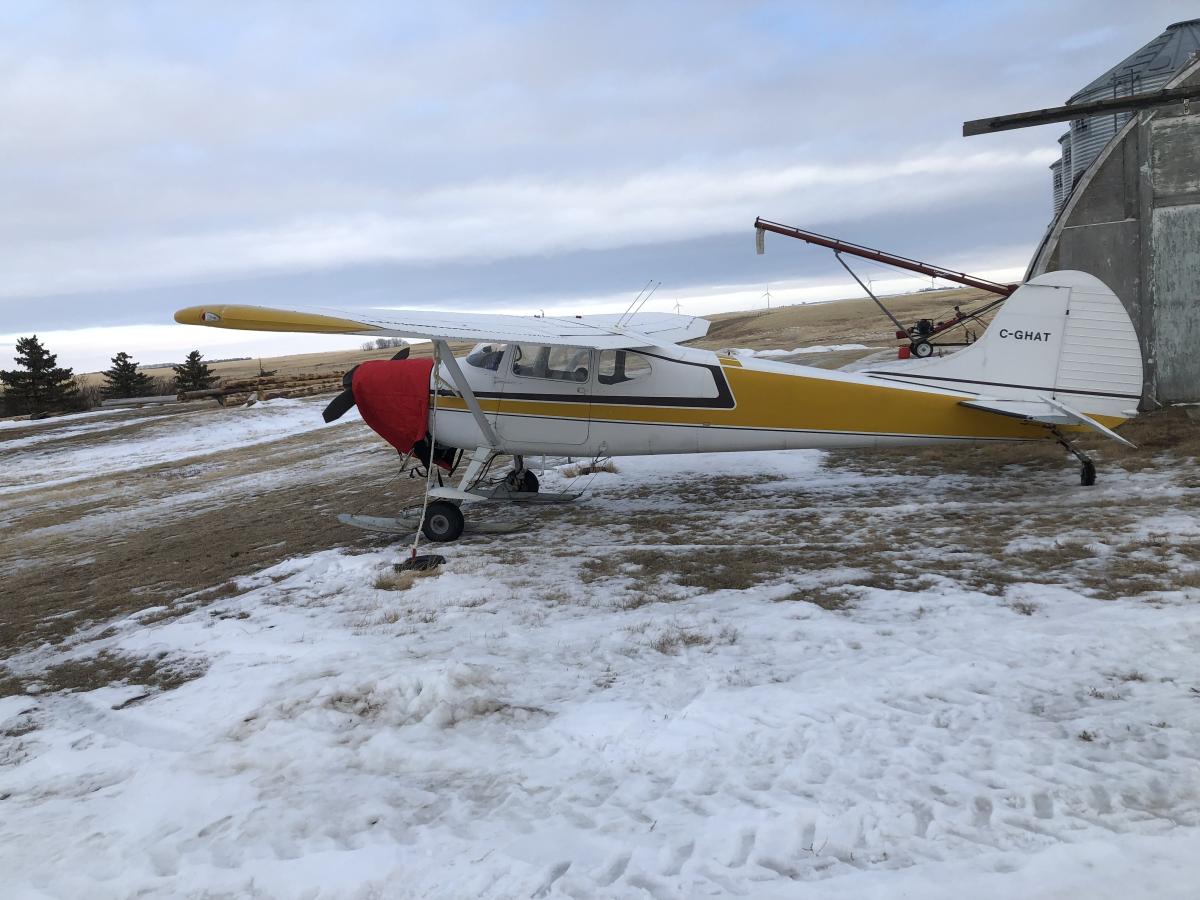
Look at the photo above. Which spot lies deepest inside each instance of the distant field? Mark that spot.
(299, 364)
(856, 320)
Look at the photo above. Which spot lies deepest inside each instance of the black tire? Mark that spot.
(443, 522)
(922, 349)
(1087, 473)
(525, 483)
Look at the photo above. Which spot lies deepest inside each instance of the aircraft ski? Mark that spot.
(408, 525)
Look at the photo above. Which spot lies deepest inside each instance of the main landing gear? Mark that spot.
(521, 480)
(444, 519)
(1087, 467)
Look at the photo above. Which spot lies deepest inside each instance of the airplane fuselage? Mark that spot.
(686, 400)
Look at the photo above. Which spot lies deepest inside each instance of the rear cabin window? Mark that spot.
(620, 366)
(554, 363)
(487, 356)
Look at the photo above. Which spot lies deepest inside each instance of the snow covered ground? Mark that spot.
(61, 457)
(713, 677)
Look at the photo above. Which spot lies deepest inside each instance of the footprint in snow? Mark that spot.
(556, 872)
(741, 853)
(1043, 806)
(983, 813)
(679, 856)
(613, 870)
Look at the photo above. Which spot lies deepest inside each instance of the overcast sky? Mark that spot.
(514, 157)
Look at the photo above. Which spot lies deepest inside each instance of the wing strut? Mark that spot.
(460, 382)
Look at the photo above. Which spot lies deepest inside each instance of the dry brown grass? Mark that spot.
(675, 638)
(393, 580)
(329, 362)
(10, 684)
(161, 672)
(1174, 431)
(715, 569)
(949, 459)
(832, 598)
(856, 320)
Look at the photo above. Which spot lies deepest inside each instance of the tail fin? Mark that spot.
(1063, 336)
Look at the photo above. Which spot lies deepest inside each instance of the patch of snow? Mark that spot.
(7, 424)
(177, 439)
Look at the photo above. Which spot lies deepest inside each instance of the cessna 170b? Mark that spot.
(1060, 356)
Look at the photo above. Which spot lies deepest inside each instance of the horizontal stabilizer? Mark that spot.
(1045, 410)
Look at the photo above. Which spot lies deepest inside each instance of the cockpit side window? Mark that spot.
(555, 363)
(487, 356)
(620, 366)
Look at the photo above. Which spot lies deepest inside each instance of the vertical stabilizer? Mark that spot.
(1064, 335)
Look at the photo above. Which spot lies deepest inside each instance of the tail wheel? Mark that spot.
(443, 522)
(923, 349)
(523, 483)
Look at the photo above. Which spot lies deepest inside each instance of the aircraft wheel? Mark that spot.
(922, 349)
(525, 483)
(443, 522)
(1087, 473)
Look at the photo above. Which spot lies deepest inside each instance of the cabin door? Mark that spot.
(545, 395)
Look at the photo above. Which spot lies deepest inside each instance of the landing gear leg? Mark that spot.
(1087, 468)
(481, 459)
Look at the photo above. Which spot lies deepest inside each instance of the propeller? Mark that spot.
(341, 404)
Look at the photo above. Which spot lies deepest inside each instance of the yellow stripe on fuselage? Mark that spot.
(779, 401)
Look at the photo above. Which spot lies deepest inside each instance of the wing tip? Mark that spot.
(190, 315)
(262, 318)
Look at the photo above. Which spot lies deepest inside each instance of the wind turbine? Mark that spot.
(768, 296)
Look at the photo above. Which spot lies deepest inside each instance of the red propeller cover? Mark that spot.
(393, 398)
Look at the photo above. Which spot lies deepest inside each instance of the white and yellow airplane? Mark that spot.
(1061, 356)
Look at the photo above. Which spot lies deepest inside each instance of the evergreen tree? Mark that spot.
(124, 379)
(193, 374)
(39, 385)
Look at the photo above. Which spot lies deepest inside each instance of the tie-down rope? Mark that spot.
(432, 446)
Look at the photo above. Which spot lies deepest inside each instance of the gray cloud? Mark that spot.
(361, 154)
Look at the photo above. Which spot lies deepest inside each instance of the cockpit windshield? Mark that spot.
(487, 356)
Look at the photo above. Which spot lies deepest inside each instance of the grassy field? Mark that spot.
(335, 361)
(856, 320)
